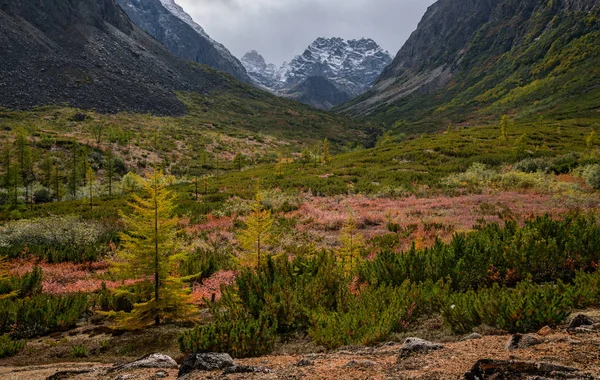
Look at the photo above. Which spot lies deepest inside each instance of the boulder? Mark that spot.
(520, 341)
(161, 375)
(473, 336)
(580, 320)
(148, 361)
(305, 362)
(205, 362)
(245, 369)
(510, 369)
(417, 345)
(545, 331)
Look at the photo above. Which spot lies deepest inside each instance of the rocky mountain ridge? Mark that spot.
(88, 54)
(336, 70)
(471, 57)
(166, 21)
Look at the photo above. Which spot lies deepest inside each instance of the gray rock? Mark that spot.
(417, 345)
(246, 369)
(520, 341)
(583, 330)
(473, 336)
(148, 361)
(359, 364)
(161, 375)
(304, 362)
(205, 362)
(510, 369)
(579, 321)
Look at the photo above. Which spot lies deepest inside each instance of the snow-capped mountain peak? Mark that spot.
(352, 66)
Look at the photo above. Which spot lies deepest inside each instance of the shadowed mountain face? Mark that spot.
(88, 54)
(473, 58)
(328, 73)
(174, 28)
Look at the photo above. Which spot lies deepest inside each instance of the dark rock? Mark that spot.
(79, 117)
(417, 345)
(520, 341)
(510, 369)
(304, 362)
(148, 361)
(579, 321)
(245, 369)
(205, 362)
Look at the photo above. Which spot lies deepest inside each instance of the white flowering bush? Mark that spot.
(56, 239)
(591, 174)
(276, 200)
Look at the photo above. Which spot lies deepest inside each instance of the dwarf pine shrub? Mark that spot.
(525, 308)
(42, 314)
(544, 248)
(10, 347)
(242, 336)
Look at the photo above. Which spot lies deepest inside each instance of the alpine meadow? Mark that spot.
(168, 210)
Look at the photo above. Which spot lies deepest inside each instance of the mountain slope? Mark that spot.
(174, 28)
(87, 53)
(328, 73)
(477, 59)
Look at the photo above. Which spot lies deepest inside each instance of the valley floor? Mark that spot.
(577, 350)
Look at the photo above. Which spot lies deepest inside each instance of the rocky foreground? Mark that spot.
(567, 352)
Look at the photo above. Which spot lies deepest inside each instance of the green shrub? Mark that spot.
(522, 181)
(591, 174)
(205, 262)
(79, 351)
(31, 283)
(534, 165)
(525, 308)
(564, 164)
(374, 314)
(9, 347)
(544, 248)
(42, 314)
(240, 336)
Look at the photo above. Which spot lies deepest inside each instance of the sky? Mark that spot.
(282, 29)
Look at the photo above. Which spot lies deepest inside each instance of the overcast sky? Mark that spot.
(281, 29)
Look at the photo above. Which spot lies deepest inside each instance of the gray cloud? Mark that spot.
(281, 29)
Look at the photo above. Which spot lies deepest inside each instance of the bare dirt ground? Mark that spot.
(579, 350)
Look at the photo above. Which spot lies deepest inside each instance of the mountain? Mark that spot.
(328, 73)
(176, 30)
(88, 54)
(477, 59)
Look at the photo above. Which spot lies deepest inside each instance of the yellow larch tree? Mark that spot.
(257, 235)
(150, 250)
(352, 245)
